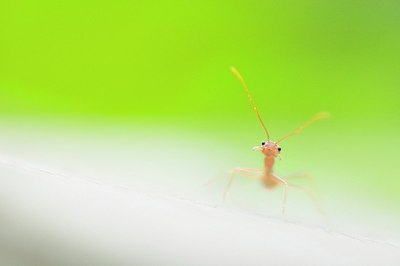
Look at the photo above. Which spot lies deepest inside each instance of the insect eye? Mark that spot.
(279, 148)
(263, 143)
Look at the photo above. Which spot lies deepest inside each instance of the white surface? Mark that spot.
(48, 219)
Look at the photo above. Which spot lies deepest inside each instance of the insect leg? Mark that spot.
(247, 172)
(314, 199)
(300, 175)
(220, 175)
(283, 182)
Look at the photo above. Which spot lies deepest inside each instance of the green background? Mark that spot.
(165, 64)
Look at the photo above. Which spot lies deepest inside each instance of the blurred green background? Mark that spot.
(166, 64)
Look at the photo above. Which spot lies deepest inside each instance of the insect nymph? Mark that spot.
(271, 150)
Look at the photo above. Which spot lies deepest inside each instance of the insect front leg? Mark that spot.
(242, 171)
(300, 175)
(285, 194)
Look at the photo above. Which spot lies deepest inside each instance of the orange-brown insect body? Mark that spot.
(270, 150)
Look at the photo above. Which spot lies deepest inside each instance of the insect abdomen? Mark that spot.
(269, 180)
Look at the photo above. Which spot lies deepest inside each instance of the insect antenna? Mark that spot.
(312, 120)
(237, 74)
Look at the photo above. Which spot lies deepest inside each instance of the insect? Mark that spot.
(271, 150)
